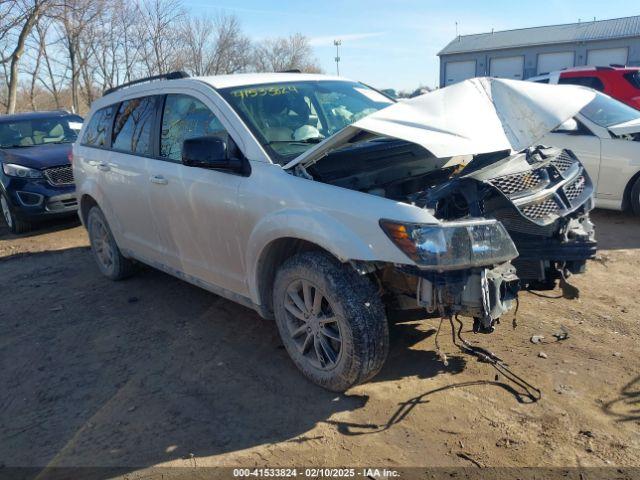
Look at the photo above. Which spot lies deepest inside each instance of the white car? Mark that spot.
(319, 202)
(605, 135)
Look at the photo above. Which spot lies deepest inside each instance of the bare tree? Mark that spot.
(55, 66)
(114, 45)
(67, 51)
(74, 18)
(9, 18)
(214, 46)
(285, 53)
(160, 37)
(27, 14)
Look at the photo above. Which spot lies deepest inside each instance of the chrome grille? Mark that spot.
(542, 209)
(520, 182)
(59, 175)
(563, 162)
(575, 189)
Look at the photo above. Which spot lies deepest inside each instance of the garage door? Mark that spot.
(508, 67)
(550, 62)
(458, 71)
(607, 56)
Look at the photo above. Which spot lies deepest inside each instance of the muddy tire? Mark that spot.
(110, 261)
(331, 320)
(635, 198)
(15, 224)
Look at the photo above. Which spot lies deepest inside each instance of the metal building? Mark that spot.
(527, 52)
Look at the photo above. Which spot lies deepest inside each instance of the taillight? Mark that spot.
(70, 156)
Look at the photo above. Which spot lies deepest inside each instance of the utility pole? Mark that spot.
(337, 43)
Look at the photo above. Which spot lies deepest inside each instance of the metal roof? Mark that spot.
(567, 33)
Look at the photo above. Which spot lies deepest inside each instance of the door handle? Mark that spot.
(103, 166)
(158, 180)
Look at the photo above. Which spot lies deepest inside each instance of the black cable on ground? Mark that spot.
(531, 393)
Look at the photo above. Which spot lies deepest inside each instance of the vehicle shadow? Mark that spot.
(40, 228)
(136, 373)
(404, 362)
(627, 406)
(616, 230)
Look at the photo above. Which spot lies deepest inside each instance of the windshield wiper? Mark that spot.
(308, 141)
(16, 146)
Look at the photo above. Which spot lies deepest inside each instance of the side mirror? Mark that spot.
(211, 153)
(569, 126)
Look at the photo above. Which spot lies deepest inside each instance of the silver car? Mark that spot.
(323, 204)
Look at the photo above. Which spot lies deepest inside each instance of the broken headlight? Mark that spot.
(452, 245)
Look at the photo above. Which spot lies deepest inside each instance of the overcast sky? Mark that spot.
(393, 43)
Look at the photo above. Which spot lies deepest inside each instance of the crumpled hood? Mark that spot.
(626, 128)
(479, 115)
(37, 156)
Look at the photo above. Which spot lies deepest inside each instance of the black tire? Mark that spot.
(342, 340)
(635, 197)
(111, 263)
(15, 224)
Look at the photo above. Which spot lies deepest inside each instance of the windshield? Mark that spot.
(606, 111)
(39, 131)
(288, 118)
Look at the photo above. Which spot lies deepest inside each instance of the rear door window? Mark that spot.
(185, 117)
(97, 132)
(133, 126)
(591, 82)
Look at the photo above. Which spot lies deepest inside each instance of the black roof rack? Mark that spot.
(293, 70)
(164, 76)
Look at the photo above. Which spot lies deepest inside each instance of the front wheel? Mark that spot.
(331, 321)
(15, 224)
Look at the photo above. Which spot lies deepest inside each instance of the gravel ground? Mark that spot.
(153, 371)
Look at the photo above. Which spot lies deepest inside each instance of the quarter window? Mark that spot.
(185, 117)
(133, 126)
(633, 78)
(591, 82)
(96, 134)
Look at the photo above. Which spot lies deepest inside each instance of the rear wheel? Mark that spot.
(110, 260)
(635, 197)
(15, 224)
(331, 321)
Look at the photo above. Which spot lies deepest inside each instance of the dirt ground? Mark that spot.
(153, 371)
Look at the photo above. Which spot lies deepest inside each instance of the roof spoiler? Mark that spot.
(165, 76)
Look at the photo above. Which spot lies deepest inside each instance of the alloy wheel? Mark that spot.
(102, 244)
(313, 324)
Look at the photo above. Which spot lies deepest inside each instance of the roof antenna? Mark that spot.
(492, 31)
(457, 36)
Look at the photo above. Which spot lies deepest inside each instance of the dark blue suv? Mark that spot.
(36, 180)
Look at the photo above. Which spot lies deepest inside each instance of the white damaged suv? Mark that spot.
(320, 202)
